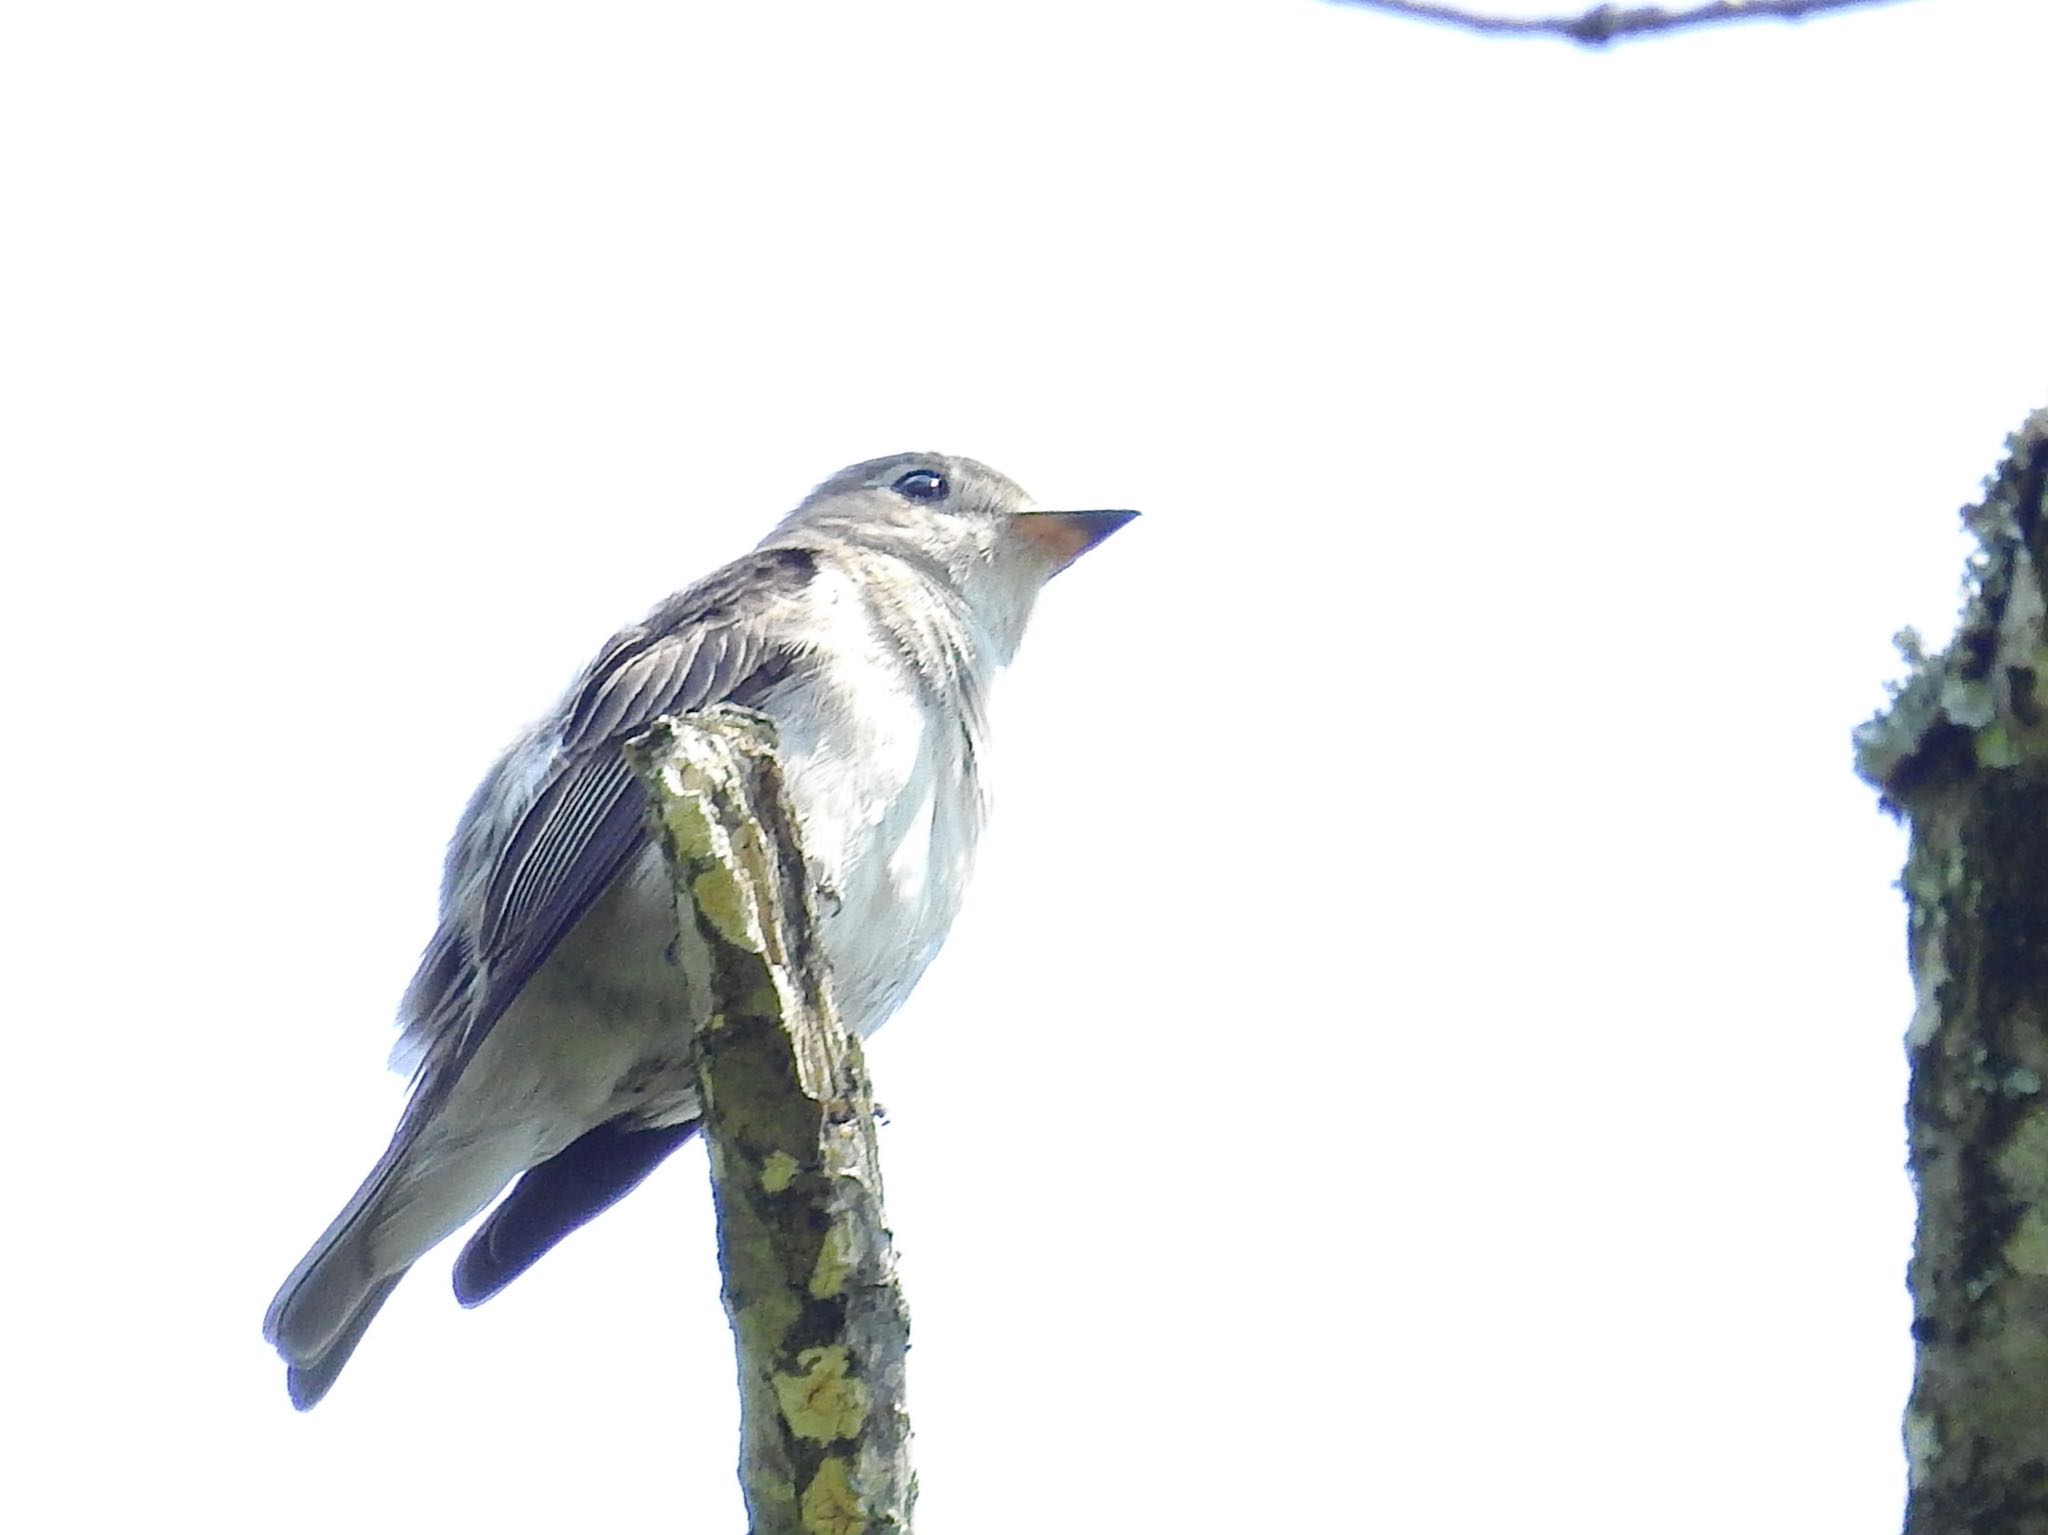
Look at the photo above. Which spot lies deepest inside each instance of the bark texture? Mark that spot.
(810, 1277)
(1962, 753)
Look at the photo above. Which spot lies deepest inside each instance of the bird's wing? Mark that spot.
(553, 1198)
(716, 642)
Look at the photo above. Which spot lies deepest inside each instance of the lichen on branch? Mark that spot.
(809, 1273)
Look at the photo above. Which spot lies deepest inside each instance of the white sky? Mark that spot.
(1423, 1052)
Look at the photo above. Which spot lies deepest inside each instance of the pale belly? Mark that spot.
(889, 811)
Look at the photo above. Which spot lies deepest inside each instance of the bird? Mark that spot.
(546, 1031)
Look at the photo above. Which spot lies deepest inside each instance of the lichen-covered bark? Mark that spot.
(1963, 753)
(810, 1281)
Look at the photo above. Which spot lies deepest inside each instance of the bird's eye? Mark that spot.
(922, 485)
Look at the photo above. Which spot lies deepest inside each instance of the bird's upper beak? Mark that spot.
(1066, 536)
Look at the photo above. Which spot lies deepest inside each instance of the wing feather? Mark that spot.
(723, 640)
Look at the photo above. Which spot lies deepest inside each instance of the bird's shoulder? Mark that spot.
(720, 639)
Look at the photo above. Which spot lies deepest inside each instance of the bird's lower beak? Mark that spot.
(1066, 536)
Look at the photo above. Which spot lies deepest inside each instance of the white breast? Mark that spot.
(889, 802)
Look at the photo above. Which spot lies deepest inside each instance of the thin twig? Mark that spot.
(1606, 23)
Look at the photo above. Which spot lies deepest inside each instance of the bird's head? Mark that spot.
(958, 519)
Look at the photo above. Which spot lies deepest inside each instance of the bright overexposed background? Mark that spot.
(1424, 1043)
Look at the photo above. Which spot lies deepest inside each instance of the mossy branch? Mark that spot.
(1962, 753)
(810, 1277)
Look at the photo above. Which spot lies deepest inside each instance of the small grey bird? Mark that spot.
(546, 1027)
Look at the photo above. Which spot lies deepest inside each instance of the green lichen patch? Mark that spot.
(835, 1262)
(823, 1401)
(2026, 1250)
(2023, 1163)
(686, 821)
(779, 1171)
(830, 1505)
(721, 901)
(765, 1321)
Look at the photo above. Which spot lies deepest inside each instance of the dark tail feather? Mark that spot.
(308, 1382)
(415, 1196)
(581, 1181)
(330, 1292)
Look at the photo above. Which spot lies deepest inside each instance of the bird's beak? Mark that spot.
(1066, 536)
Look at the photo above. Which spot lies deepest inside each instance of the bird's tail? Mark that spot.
(322, 1310)
(307, 1382)
(416, 1195)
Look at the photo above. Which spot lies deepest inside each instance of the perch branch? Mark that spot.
(810, 1279)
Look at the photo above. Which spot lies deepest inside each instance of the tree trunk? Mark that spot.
(1962, 753)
